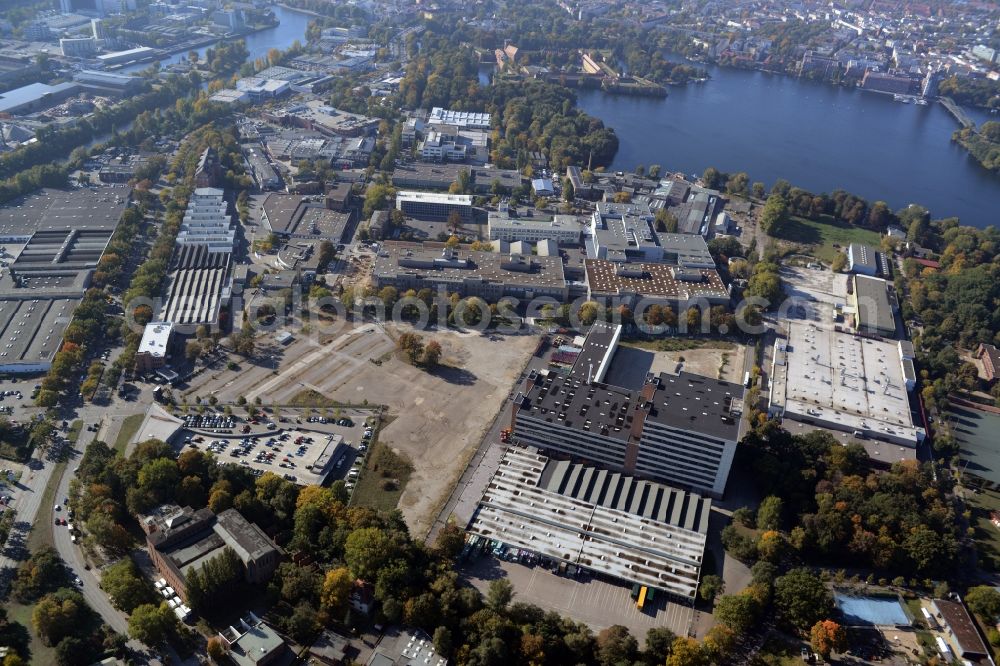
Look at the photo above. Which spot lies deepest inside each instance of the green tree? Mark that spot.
(151, 624)
(711, 586)
(801, 599)
(774, 214)
(366, 551)
(984, 601)
(769, 513)
(125, 586)
(499, 594)
(739, 612)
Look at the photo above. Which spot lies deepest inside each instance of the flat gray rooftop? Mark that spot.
(51, 209)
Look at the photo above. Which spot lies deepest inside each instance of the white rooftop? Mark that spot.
(844, 381)
(155, 338)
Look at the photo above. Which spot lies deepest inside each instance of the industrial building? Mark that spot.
(505, 226)
(35, 97)
(433, 206)
(842, 382)
(296, 216)
(65, 234)
(874, 306)
(606, 522)
(180, 540)
(317, 116)
(866, 260)
(461, 119)
(675, 286)
(107, 82)
(681, 429)
(488, 275)
(201, 263)
(623, 232)
(260, 167)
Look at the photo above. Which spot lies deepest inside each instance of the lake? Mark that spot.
(817, 136)
(292, 25)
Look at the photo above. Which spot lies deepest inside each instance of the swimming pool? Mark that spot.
(880, 611)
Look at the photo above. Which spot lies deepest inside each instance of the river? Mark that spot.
(291, 26)
(817, 136)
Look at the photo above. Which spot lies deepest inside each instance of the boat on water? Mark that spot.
(921, 102)
(905, 99)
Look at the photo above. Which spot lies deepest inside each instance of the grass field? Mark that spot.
(381, 483)
(130, 426)
(818, 238)
(987, 534)
(677, 344)
(40, 653)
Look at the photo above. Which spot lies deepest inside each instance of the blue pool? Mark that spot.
(880, 611)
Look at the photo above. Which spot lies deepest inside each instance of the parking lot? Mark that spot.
(297, 447)
(595, 602)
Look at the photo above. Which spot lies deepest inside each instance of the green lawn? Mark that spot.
(820, 237)
(74, 431)
(129, 427)
(41, 531)
(21, 614)
(383, 479)
(677, 344)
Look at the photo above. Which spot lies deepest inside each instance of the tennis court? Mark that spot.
(878, 611)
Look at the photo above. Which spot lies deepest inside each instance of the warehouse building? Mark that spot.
(866, 260)
(488, 275)
(65, 234)
(842, 382)
(460, 119)
(609, 523)
(296, 216)
(874, 306)
(200, 281)
(681, 429)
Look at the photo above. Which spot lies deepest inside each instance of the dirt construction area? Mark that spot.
(437, 419)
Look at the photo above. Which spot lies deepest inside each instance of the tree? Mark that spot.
(758, 190)
(659, 641)
(801, 599)
(216, 649)
(499, 594)
(125, 586)
(569, 192)
(711, 586)
(454, 222)
(443, 641)
(366, 551)
(431, 355)
(827, 636)
(769, 513)
(615, 645)
(839, 263)
(739, 612)
(687, 652)
(412, 346)
(984, 601)
(336, 591)
(57, 615)
(774, 214)
(151, 624)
